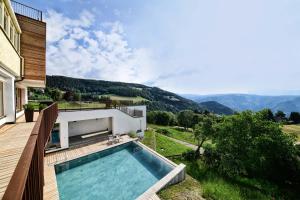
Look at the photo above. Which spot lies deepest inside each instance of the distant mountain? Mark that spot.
(155, 98)
(216, 107)
(241, 102)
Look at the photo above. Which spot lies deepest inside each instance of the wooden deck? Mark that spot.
(13, 138)
(50, 188)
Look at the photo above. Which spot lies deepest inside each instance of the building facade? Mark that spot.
(22, 57)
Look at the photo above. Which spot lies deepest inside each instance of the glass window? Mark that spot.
(1, 12)
(16, 41)
(5, 23)
(11, 32)
(1, 100)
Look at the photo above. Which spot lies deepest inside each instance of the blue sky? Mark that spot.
(185, 46)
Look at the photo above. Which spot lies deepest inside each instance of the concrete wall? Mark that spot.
(121, 122)
(89, 126)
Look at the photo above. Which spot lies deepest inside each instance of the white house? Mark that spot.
(117, 121)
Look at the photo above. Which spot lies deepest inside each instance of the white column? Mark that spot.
(64, 134)
(9, 100)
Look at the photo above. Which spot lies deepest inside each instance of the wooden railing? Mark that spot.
(28, 178)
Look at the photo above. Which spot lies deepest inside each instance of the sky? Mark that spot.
(184, 46)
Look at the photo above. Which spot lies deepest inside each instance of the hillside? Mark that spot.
(240, 102)
(155, 98)
(217, 108)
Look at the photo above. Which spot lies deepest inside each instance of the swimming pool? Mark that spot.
(119, 173)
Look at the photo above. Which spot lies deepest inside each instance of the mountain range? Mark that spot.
(154, 97)
(241, 102)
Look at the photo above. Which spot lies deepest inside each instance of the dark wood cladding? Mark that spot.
(33, 47)
(27, 181)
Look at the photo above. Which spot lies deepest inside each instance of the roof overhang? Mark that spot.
(31, 83)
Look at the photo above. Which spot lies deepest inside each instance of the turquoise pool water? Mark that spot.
(120, 173)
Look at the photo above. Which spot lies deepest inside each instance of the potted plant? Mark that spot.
(29, 111)
(42, 106)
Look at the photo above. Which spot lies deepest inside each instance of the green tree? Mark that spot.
(185, 118)
(204, 131)
(295, 117)
(267, 114)
(251, 145)
(55, 94)
(77, 96)
(280, 115)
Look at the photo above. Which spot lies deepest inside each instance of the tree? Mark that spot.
(267, 114)
(250, 145)
(185, 118)
(203, 131)
(295, 117)
(280, 115)
(68, 95)
(77, 96)
(55, 94)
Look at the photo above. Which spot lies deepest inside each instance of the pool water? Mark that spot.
(120, 173)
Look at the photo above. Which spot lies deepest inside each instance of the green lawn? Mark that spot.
(122, 98)
(186, 136)
(292, 129)
(73, 105)
(78, 105)
(206, 182)
(162, 144)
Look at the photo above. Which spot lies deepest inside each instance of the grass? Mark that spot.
(216, 186)
(123, 98)
(167, 147)
(162, 144)
(206, 182)
(177, 134)
(292, 129)
(73, 105)
(78, 105)
(188, 189)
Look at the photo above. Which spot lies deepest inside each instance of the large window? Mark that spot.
(1, 100)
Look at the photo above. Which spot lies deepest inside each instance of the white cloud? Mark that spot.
(79, 48)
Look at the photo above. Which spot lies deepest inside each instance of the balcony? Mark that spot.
(22, 155)
(27, 11)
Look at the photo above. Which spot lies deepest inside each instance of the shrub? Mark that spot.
(163, 131)
(42, 106)
(29, 107)
(132, 134)
(189, 155)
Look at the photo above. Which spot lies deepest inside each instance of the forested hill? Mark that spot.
(155, 98)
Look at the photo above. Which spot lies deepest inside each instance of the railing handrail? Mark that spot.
(27, 11)
(28, 178)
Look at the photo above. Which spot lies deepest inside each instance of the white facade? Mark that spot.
(83, 122)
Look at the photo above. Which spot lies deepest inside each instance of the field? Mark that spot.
(73, 105)
(122, 98)
(186, 136)
(204, 182)
(293, 129)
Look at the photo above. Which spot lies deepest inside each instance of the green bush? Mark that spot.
(132, 134)
(189, 155)
(42, 106)
(163, 131)
(29, 107)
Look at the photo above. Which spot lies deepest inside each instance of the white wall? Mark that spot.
(89, 126)
(8, 96)
(121, 122)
